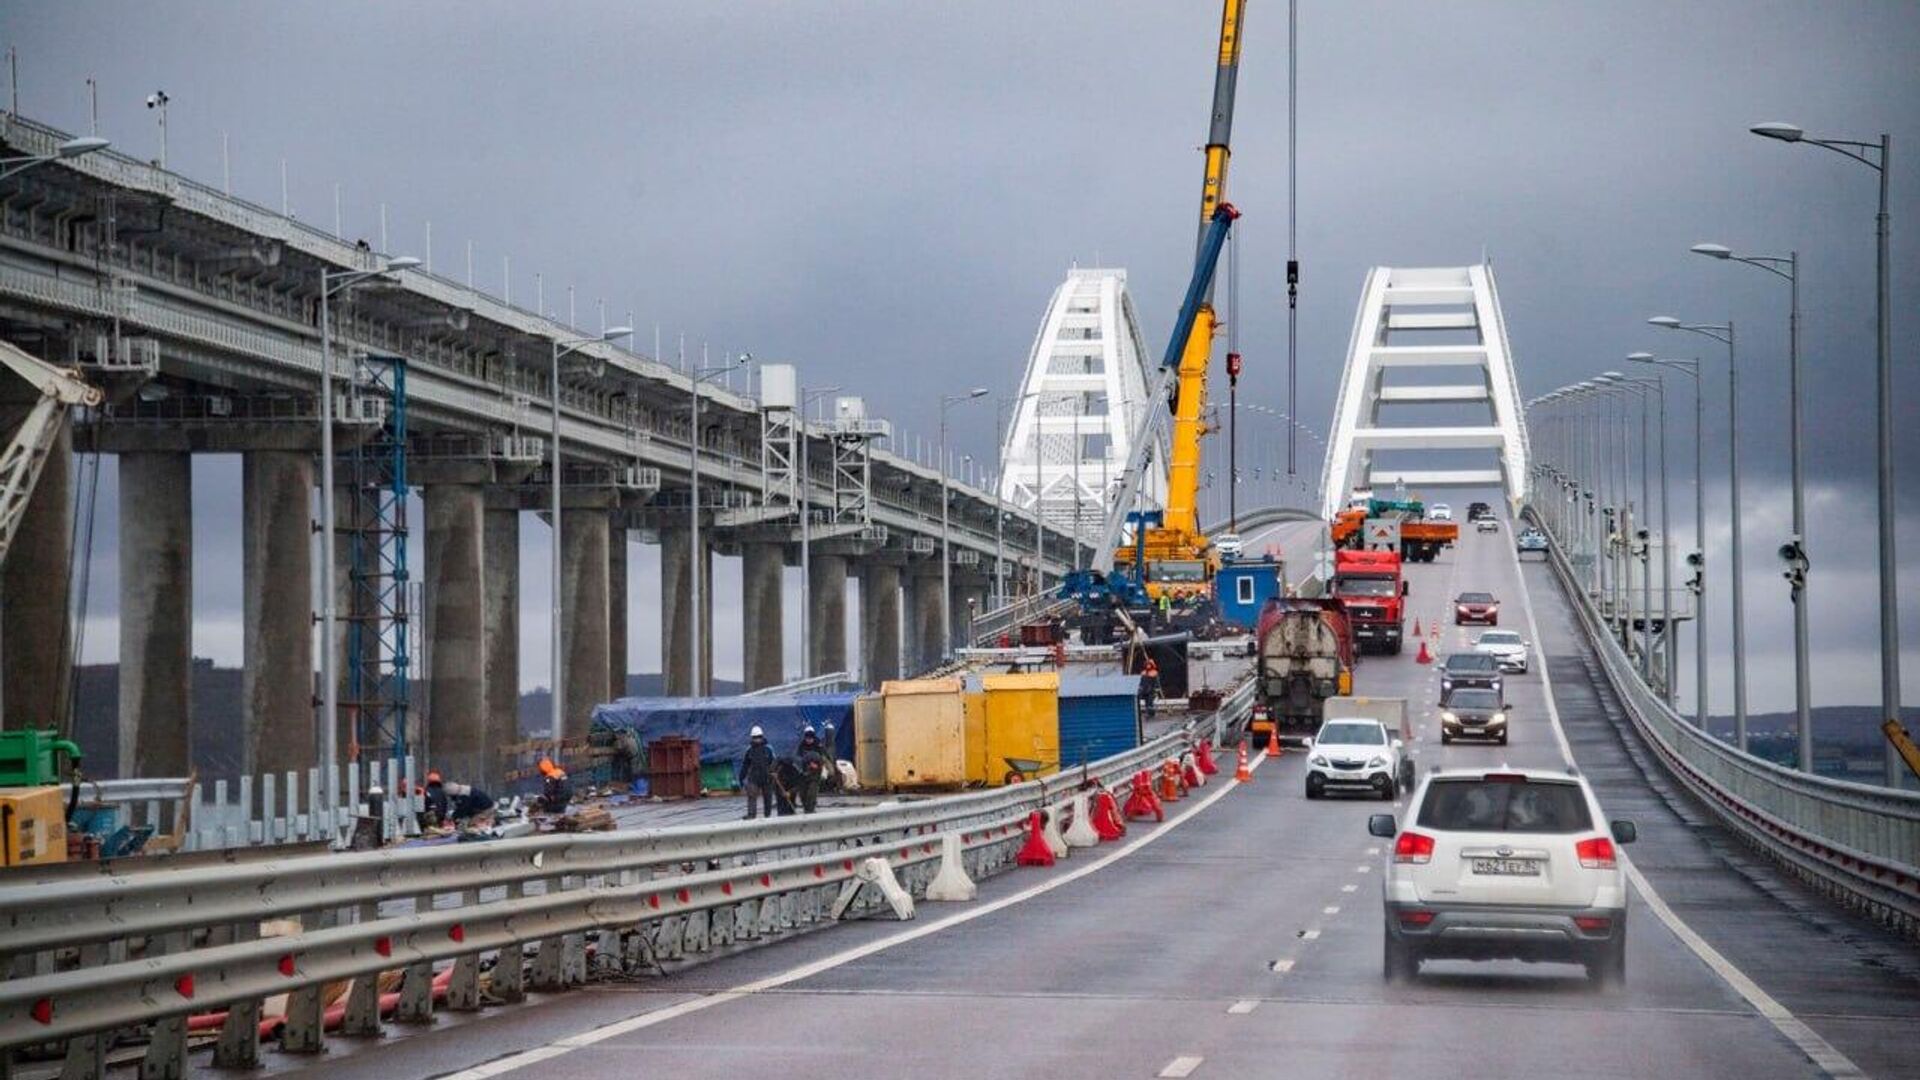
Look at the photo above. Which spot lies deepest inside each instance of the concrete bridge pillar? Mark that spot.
(924, 640)
(583, 593)
(501, 596)
(827, 618)
(880, 622)
(677, 567)
(456, 593)
(156, 614)
(277, 688)
(762, 566)
(616, 611)
(33, 619)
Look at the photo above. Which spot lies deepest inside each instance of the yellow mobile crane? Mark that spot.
(1180, 560)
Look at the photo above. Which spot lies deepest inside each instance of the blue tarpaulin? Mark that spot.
(722, 723)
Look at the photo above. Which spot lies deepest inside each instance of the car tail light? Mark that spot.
(1593, 924)
(1416, 918)
(1413, 847)
(1595, 853)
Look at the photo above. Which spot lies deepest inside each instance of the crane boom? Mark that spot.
(27, 448)
(1182, 377)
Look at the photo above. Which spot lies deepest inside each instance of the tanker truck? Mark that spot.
(1305, 649)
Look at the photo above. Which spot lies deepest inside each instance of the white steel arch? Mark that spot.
(1452, 316)
(1079, 406)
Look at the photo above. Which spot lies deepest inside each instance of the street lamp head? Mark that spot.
(402, 262)
(612, 332)
(978, 391)
(744, 359)
(1666, 321)
(1640, 357)
(1712, 251)
(1614, 376)
(73, 148)
(1776, 130)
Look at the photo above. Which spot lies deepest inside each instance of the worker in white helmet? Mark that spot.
(756, 773)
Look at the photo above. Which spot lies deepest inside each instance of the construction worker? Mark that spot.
(1149, 685)
(556, 791)
(756, 773)
(470, 807)
(434, 813)
(813, 769)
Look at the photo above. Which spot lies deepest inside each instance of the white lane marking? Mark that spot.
(1349, 888)
(1831, 1061)
(1242, 1008)
(1373, 851)
(1281, 967)
(1361, 869)
(604, 1032)
(1182, 1066)
(1309, 935)
(1331, 909)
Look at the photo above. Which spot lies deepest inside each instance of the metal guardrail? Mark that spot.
(812, 684)
(988, 626)
(1856, 842)
(87, 957)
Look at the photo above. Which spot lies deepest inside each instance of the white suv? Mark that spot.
(1516, 864)
(1440, 512)
(1357, 755)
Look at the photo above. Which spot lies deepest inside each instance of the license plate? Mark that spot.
(1508, 867)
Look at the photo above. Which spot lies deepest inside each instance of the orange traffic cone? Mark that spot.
(1240, 771)
(1035, 851)
(1416, 628)
(1106, 817)
(1273, 741)
(1170, 781)
(1425, 657)
(1141, 803)
(1203, 757)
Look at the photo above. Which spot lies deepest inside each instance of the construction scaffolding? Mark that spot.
(379, 603)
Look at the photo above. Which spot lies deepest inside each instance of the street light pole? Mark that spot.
(332, 281)
(1795, 549)
(699, 561)
(561, 349)
(1883, 319)
(946, 535)
(1724, 334)
(1691, 369)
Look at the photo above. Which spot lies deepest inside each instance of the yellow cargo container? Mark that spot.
(1023, 722)
(33, 826)
(976, 737)
(925, 723)
(869, 742)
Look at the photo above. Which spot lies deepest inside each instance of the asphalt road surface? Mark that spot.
(1244, 939)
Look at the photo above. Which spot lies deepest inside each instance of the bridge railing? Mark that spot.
(88, 956)
(1856, 842)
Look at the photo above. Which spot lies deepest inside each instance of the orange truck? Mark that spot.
(1393, 526)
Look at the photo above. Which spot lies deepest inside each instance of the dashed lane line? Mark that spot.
(1181, 1066)
(1242, 1008)
(1810, 1042)
(593, 1036)
(1349, 887)
(1281, 967)
(1331, 909)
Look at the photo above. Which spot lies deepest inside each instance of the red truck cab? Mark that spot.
(1369, 584)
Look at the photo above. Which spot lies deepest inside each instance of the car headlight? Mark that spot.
(1318, 759)
(1448, 716)
(1497, 718)
(1376, 762)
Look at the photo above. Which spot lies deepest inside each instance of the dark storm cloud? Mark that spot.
(886, 193)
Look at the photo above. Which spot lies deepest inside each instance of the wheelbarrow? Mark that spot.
(1020, 770)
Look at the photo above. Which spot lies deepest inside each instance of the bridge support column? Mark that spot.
(616, 611)
(277, 637)
(827, 617)
(924, 641)
(456, 728)
(156, 614)
(33, 619)
(880, 623)
(583, 592)
(677, 567)
(501, 591)
(762, 566)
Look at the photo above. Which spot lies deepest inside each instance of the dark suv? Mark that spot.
(1473, 712)
(1476, 511)
(1476, 669)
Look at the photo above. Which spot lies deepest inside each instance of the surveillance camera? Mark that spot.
(1694, 558)
(1642, 534)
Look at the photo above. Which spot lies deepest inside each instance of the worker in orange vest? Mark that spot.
(1149, 685)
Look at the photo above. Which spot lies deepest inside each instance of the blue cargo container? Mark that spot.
(1242, 588)
(1099, 717)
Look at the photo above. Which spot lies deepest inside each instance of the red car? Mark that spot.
(1476, 607)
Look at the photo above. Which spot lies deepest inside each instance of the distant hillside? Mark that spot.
(536, 705)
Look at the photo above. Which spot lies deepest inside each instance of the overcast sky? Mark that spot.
(887, 193)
